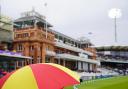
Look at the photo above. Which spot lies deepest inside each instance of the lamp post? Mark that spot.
(114, 14)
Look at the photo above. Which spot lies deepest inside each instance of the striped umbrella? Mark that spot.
(39, 76)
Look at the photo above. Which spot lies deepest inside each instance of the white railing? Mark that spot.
(62, 45)
(50, 53)
(112, 60)
(76, 58)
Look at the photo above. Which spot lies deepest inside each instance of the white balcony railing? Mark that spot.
(112, 60)
(50, 53)
(76, 58)
(66, 46)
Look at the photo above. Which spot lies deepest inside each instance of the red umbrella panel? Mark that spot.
(40, 76)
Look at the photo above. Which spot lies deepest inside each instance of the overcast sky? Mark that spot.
(77, 18)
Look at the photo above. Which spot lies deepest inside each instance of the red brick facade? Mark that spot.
(32, 42)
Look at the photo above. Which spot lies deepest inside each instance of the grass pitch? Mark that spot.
(120, 82)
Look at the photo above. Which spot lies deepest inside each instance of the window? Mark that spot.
(18, 35)
(25, 35)
(31, 48)
(48, 48)
(20, 47)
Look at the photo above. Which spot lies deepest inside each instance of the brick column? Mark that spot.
(26, 49)
(43, 53)
(35, 52)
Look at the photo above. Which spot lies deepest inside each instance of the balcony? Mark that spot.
(72, 48)
(76, 58)
(50, 53)
(112, 60)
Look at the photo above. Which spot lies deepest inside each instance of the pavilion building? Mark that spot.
(34, 37)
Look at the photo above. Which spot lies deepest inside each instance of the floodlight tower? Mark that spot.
(114, 14)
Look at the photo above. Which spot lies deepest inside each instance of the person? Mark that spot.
(81, 80)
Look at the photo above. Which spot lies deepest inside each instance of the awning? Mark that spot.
(5, 55)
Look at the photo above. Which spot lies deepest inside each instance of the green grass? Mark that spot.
(109, 83)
